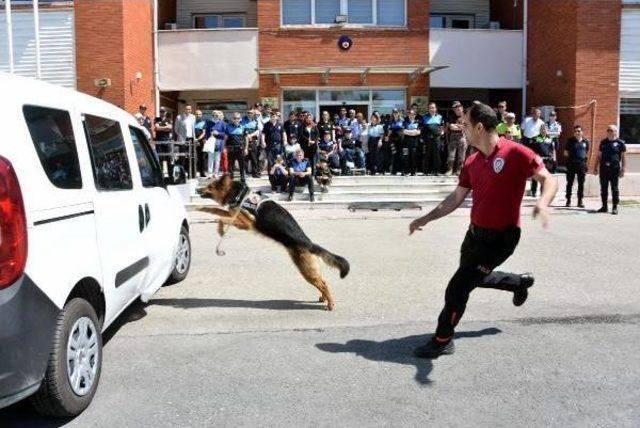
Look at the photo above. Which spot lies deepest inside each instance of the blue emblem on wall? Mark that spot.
(345, 43)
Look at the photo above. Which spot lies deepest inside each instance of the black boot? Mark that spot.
(614, 211)
(568, 204)
(604, 209)
(580, 203)
(521, 294)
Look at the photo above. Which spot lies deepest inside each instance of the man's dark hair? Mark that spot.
(575, 128)
(482, 113)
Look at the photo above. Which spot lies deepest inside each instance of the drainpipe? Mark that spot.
(36, 24)
(156, 70)
(7, 12)
(525, 32)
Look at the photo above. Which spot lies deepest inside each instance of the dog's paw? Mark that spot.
(321, 299)
(329, 307)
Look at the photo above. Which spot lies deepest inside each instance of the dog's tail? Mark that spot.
(331, 259)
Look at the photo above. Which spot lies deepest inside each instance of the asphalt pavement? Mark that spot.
(244, 342)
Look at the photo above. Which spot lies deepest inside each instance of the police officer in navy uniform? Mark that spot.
(610, 165)
(577, 153)
(237, 145)
(273, 139)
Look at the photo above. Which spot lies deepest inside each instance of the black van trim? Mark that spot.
(61, 218)
(129, 272)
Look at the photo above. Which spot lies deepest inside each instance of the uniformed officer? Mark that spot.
(610, 165)
(395, 133)
(252, 127)
(237, 145)
(497, 174)
(432, 130)
(410, 142)
(293, 127)
(273, 139)
(457, 145)
(577, 153)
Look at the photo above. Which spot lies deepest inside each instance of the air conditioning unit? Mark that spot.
(170, 26)
(494, 25)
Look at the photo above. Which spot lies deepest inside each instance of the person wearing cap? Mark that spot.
(163, 128)
(395, 134)
(237, 145)
(457, 145)
(143, 119)
(610, 165)
(510, 125)
(554, 128)
(432, 132)
(252, 125)
(410, 141)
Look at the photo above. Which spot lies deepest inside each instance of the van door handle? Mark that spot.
(140, 218)
(147, 214)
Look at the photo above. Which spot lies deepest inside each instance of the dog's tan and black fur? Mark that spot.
(273, 221)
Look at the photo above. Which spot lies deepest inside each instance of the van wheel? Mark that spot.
(75, 362)
(182, 261)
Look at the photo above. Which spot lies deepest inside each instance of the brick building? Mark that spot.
(229, 54)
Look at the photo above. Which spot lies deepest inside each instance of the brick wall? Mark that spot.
(114, 40)
(280, 47)
(574, 40)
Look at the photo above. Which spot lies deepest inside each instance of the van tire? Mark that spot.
(56, 397)
(179, 273)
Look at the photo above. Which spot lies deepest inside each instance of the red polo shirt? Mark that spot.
(498, 182)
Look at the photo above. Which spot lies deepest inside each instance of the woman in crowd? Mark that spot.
(375, 132)
(395, 134)
(309, 140)
(215, 130)
(410, 143)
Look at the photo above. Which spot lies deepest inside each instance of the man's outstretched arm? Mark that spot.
(451, 202)
(549, 189)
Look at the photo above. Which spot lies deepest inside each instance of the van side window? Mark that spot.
(52, 136)
(108, 154)
(150, 171)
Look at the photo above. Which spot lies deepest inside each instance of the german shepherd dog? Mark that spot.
(273, 221)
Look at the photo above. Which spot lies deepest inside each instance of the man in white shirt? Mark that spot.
(531, 126)
(185, 131)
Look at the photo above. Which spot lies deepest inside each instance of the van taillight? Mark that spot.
(13, 226)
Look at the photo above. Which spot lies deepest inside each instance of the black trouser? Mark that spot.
(278, 182)
(233, 155)
(300, 181)
(254, 154)
(534, 183)
(576, 167)
(609, 174)
(372, 154)
(396, 153)
(409, 147)
(481, 252)
(311, 153)
(433, 163)
(384, 157)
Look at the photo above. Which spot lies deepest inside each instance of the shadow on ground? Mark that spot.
(398, 351)
(278, 305)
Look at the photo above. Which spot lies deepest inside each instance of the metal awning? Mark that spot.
(413, 71)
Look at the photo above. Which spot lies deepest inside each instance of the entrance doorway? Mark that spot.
(334, 109)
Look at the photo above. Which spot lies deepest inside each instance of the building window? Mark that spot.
(227, 107)
(387, 13)
(298, 100)
(218, 21)
(363, 101)
(451, 21)
(630, 120)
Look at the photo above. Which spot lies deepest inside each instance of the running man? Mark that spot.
(497, 173)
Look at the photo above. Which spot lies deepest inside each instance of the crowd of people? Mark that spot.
(299, 149)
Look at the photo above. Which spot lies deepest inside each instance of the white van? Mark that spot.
(87, 225)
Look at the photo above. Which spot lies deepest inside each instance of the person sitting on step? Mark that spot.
(300, 174)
